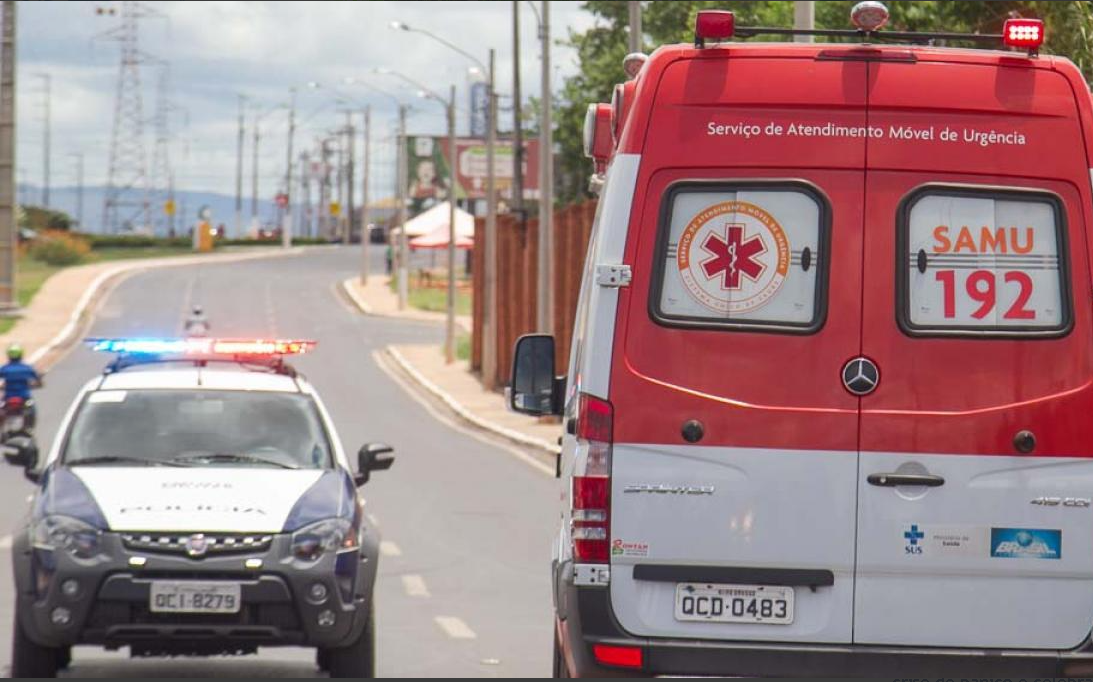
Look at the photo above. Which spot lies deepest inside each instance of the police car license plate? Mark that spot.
(194, 597)
(734, 603)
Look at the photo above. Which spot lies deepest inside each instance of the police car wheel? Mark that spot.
(359, 658)
(64, 657)
(322, 660)
(29, 659)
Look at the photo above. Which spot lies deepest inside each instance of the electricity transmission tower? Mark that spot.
(127, 201)
(161, 178)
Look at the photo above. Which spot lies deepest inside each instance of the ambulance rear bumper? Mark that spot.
(589, 621)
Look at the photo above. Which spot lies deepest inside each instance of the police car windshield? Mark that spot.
(198, 428)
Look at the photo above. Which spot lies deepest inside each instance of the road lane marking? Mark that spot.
(5, 542)
(454, 627)
(414, 393)
(388, 548)
(415, 586)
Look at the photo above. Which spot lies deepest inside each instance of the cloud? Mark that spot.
(217, 50)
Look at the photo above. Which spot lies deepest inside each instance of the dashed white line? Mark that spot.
(5, 542)
(415, 586)
(454, 627)
(388, 548)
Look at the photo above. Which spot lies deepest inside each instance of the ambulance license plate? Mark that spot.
(191, 596)
(704, 602)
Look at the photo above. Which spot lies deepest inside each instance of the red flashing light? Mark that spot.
(1023, 33)
(618, 656)
(713, 24)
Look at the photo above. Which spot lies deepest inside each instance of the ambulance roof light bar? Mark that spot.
(868, 18)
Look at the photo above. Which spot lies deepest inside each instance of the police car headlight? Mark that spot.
(329, 535)
(65, 533)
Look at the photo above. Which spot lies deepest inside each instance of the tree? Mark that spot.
(38, 219)
(600, 50)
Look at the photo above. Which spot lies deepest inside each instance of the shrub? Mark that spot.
(58, 248)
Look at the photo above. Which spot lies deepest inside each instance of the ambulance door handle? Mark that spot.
(892, 480)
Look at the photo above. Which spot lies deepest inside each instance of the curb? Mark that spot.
(347, 288)
(416, 316)
(465, 414)
(65, 339)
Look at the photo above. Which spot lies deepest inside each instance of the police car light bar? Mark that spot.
(201, 347)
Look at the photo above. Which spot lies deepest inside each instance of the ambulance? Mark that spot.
(829, 406)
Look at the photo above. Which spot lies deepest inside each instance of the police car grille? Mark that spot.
(215, 544)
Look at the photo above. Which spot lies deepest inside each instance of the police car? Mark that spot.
(197, 501)
(829, 393)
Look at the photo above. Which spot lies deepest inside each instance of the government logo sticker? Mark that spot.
(733, 257)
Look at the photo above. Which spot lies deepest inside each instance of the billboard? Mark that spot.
(428, 178)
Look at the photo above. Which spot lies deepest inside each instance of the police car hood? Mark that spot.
(213, 499)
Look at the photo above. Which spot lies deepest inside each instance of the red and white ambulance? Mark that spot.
(829, 409)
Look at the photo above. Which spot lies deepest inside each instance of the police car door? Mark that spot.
(735, 458)
(974, 519)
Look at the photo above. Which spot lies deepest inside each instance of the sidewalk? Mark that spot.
(65, 304)
(378, 299)
(461, 391)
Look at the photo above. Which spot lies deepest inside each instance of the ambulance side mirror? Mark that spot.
(535, 389)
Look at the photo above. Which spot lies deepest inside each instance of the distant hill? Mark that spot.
(187, 206)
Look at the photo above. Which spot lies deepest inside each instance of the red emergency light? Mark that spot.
(1024, 33)
(598, 138)
(713, 24)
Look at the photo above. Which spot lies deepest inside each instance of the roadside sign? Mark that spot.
(169, 207)
(335, 208)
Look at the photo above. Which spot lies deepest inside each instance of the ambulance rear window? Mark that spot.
(983, 263)
(741, 256)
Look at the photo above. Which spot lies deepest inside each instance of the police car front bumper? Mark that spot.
(111, 605)
(586, 619)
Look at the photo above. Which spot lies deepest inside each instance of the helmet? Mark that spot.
(15, 352)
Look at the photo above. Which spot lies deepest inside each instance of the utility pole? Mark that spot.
(46, 124)
(286, 218)
(449, 327)
(239, 168)
(489, 275)
(324, 190)
(804, 17)
(256, 140)
(78, 156)
(365, 173)
(403, 241)
(635, 24)
(545, 298)
(8, 230)
(350, 144)
(517, 199)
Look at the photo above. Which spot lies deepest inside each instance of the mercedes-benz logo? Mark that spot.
(860, 376)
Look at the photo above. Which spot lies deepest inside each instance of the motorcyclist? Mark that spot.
(19, 378)
(197, 324)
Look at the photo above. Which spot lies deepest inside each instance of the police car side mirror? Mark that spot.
(370, 458)
(535, 389)
(21, 451)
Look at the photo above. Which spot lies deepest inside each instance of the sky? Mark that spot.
(219, 50)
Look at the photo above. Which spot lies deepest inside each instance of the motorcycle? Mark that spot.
(18, 418)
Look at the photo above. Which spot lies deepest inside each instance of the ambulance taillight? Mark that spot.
(713, 24)
(591, 493)
(1027, 34)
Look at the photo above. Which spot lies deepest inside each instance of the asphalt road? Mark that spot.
(463, 585)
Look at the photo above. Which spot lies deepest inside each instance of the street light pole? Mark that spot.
(46, 125)
(8, 229)
(239, 169)
(403, 242)
(517, 198)
(449, 331)
(350, 143)
(365, 173)
(254, 173)
(489, 274)
(78, 156)
(286, 219)
(545, 302)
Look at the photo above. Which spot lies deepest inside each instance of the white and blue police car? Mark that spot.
(196, 501)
